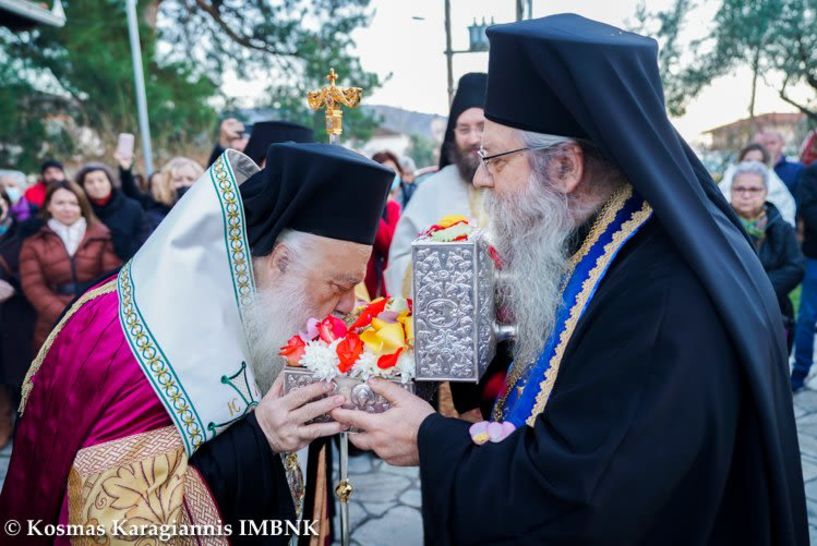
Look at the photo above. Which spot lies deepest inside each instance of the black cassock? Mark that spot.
(648, 437)
(248, 481)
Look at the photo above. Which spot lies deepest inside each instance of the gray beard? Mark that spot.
(531, 230)
(274, 315)
(467, 163)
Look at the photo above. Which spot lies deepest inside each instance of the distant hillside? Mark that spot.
(407, 122)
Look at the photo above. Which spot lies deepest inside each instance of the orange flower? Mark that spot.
(371, 311)
(293, 350)
(389, 361)
(348, 351)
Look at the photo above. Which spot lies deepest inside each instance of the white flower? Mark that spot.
(366, 365)
(405, 366)
(321, 359)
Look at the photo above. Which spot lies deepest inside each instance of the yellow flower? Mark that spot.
(408, 325)
(450, 220)
(384, 337)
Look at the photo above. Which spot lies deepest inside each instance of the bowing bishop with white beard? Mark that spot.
(154, 401)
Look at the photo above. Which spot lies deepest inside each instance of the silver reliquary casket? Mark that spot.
(358, 394)
(455, 326)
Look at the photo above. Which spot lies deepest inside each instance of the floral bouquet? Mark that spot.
(377, 340)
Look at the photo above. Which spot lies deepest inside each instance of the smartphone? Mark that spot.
(124, 145)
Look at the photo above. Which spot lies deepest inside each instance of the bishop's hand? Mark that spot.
(393, 433)
(283, 418)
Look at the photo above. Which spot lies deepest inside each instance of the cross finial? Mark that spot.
(332, 98)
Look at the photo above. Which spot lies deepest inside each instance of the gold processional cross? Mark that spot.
(332, 98)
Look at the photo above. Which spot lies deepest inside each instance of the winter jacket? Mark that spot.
(125, 219)
(51, 278)
(17, 317)
(807, 209)
(781, 258)
(155, 211)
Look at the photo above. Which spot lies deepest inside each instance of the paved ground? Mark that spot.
(385, 506)
(386, 499)
(805, 411)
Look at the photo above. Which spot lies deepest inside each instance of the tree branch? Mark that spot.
(811, 114)
(213, 11)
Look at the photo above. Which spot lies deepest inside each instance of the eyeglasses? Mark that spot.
(750, 191)
(486, 160)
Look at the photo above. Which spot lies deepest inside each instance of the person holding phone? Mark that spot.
(232, 135)
(122, 215)
(166, 186)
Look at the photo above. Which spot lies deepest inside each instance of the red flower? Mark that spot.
(293, 350)
(371, 311)
(389, 361)
(331, 328)
(348, 351)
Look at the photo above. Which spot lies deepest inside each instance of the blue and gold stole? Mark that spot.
(527, 389)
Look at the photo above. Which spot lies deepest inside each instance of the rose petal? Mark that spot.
(348, 351)
(312, 328)
(388, 316)
(293, 350)
(373, 341)
(389, 361)
(479, 432)
(495, 432)
(481, 426)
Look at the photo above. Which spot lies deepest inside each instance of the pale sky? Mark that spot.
(411, 51)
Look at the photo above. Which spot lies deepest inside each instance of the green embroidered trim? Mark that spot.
(235, 233)
(156, 365)
(243, 389)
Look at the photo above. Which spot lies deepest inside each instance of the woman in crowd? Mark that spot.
(16, 318)
(375, 283)
(166, 187)
(70, 252)
(775, 240)
(21, 209)
(122, 215)
(778, 194)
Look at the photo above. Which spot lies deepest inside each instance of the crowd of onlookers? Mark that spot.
(61, 234)
(775, 199)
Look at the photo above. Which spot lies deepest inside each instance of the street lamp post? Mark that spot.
(477, 43)
(139, 83)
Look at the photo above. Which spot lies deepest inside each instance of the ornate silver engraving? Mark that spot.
(358, 394)
(454, 309)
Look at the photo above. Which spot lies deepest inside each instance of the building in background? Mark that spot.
(733, 136)
(400, 130)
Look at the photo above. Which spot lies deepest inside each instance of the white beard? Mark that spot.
(531, 231)
(275, 314)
